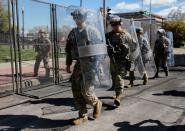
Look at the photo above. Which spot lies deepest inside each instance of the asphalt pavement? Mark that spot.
(158, 106)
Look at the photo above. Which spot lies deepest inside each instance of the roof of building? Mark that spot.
(139, 15)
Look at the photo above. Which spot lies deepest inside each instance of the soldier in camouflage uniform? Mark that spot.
(83, 93)
(144, 47)
(161, 50)
(42, 48)
(119, 46)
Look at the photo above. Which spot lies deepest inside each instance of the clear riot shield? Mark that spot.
(148, 59)
(135, 52)
(92, 50)
(170, 57)
(126, 24)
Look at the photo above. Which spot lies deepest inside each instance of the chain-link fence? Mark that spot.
(32, 43)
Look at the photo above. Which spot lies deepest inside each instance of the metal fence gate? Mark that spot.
(27, 18)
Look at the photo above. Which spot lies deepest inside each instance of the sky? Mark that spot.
(161, 7)
(39, 14)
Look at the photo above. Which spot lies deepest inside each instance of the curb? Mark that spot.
(8, 87)
(30, 83)
(25, 84)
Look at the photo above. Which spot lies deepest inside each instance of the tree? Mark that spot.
(4, 22)
(178, 29)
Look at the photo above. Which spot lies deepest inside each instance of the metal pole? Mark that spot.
(142, 5)
(19, 50)
(80, 3)
(23, 27)
(11, 48)
(52, 41)
(150, 8)
(14, 45)
(56, 45)
(104, 14)
(150, 21)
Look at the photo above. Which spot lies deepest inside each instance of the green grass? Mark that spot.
(26, 54)
(4, 53)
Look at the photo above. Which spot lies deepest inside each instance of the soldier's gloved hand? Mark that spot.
(68, 69)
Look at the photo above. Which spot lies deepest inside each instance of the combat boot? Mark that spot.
(145, 79)
(131, 78)
(156, 75)
(97, 109)
(80, 120)
(166, 71)
(36, 69)
(131, 84)
(117, 101)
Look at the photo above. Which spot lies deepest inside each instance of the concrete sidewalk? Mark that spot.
(29, 81)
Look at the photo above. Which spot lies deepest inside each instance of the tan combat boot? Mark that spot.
(97, 109)
(80, 120)
(145, 79)
(117, 100)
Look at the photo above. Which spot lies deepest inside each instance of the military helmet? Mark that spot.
(115, 19)
(79, 14)
(139, 30)
(41, 31)
(161, 31)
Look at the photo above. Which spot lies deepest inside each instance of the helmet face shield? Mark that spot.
(42, 33)
(115, 23)
(115, 20)
(161, 32)
(79, 14)
(79, 17)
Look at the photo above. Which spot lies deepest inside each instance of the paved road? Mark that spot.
(159, 106)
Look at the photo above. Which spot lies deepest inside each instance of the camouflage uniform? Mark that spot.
(82, 88)
(161, 52)
(119, 46)
(42, 47)
(145, 48)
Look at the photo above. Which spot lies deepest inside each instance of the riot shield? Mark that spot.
(135, 52)
(92, 50)
(170, 57)
(148, 59)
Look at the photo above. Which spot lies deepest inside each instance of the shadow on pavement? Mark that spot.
(55, 101)
(171, 93)
(105, 97)
(143, 126)
(18, 122)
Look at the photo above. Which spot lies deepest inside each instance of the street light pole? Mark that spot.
(142, 5)
(23, 27)
(150, 7)
(104, 14)
(80, 3)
